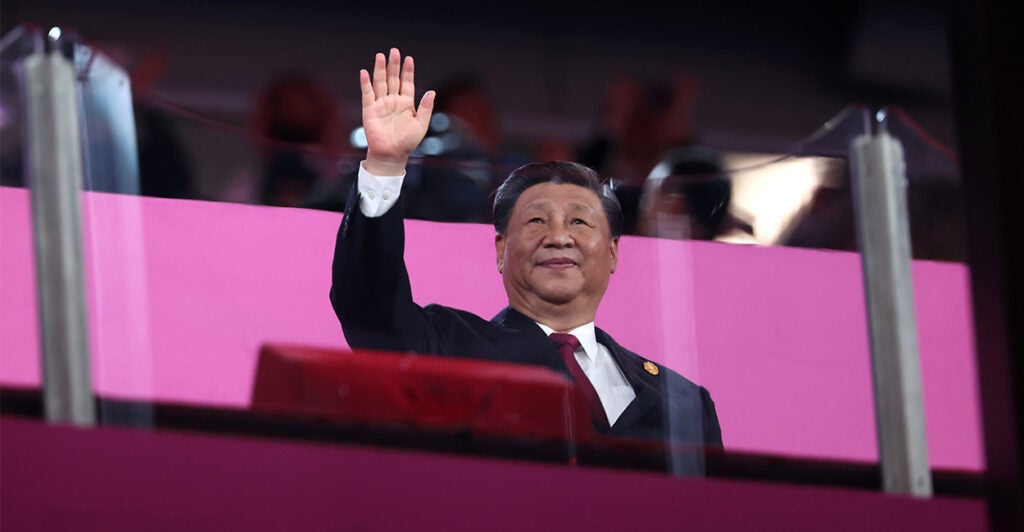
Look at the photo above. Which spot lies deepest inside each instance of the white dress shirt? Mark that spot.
(599, 366)
(377, 194)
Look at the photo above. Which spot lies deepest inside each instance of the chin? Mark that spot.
(558, 296)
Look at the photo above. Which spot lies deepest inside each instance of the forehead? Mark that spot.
(554, 195)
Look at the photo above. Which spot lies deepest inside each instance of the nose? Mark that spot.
(558, 236)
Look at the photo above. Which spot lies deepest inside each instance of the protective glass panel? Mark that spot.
(934, 189)
(793, 198)
(942, 294)
(237, 316)
(217, 315)
(776, 334)
(20, 363)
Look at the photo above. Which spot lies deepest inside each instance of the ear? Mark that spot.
(613, 247)
(499, 251)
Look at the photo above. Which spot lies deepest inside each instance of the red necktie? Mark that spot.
(567, 345)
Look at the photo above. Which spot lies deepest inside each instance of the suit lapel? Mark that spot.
(647, 387)
(523, 341)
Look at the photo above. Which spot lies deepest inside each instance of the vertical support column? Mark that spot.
(884, 234)
(55, 171)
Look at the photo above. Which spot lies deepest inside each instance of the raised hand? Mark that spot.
(393, 124)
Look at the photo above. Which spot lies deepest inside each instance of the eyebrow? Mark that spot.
(545, 205)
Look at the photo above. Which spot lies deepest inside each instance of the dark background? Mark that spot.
(769, 73)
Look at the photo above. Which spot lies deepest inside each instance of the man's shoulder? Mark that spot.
(446, 312)
(442, 314)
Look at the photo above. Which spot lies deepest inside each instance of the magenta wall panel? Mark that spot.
(123, 479)
(183, 293)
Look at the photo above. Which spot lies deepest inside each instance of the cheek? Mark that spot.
(523, 248)
(511, 260)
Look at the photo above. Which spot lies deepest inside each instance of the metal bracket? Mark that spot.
(55, 173)
(884, 234)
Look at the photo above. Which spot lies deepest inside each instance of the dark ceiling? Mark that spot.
(770, 72)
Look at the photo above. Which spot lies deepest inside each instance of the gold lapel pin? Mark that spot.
(651, 367)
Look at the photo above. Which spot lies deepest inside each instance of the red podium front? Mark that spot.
(411, 391)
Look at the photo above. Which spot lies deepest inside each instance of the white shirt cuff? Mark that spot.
(377, 194)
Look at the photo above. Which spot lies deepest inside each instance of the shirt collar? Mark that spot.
(584, 333)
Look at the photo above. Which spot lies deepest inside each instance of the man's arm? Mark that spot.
(393, 128)
(712, 429)
(370, 286)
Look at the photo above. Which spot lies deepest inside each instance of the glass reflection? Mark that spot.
(201, 307)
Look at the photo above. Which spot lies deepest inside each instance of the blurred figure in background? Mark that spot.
(639, 123)
(934, 209)
(827, 220)
(453, 177)
(298, 128)
(687, 197)
(166, 168)
(455, 167)
(603, 151)
(450, 173)
(463, 100)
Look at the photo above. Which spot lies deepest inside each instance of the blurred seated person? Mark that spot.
(165, 169)
(556, 245)
(452, 170)
(462, 100)
(828, 220)
(165, 166)
(297, 127)
(639, 122)
(465, 102)
(445, 180)
(687, 197)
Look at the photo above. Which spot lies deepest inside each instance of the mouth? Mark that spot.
(558, 263)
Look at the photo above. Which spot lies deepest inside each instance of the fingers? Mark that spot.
(390, 77)
(380, 83)
(408, 85)
(366, 87)
(394, 64)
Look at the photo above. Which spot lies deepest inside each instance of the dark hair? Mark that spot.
(558, 172)
(695, 172)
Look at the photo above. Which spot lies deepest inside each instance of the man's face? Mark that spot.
(557, 251)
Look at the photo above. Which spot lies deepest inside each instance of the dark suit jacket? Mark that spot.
(373, 300)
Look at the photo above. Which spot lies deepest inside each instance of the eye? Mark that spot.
(579, 221)
(535, 220)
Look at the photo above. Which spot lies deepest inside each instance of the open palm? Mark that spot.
(391, 121)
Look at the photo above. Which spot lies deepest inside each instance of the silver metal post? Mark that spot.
(55, 171)
(884, 235)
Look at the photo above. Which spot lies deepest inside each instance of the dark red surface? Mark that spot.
(482, 398)
(62, 478)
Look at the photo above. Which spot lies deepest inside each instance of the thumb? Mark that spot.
(426, 109)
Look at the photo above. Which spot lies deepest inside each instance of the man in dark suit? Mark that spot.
(557, 241)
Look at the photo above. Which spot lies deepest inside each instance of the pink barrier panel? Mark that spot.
(70, 479)
(182, 294)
